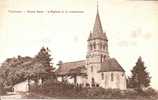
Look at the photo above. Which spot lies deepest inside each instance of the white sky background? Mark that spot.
(131, 27)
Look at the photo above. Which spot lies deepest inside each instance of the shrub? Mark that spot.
(2, 90)
(150, 92)
(65, 90)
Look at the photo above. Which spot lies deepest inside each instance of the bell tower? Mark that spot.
(97, 50)
(97, 42)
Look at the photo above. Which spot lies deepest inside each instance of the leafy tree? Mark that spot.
(15, 70)
(45, 59)
(140, 77)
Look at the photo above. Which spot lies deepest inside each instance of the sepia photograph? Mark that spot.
(79, 49)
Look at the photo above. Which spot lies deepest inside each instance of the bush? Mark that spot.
(2, 90)
(65, 90)
(150, 92)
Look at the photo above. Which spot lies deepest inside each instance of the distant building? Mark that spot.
(24, 85)
(21, 87)
(98, 69)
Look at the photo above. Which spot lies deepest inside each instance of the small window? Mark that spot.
(103, 47)
(93, 82)
(91, 68)
(112, 77)
(122, 74)
(102, 76)
(104, 57)
(90, 47)
(101, 59)
(100, 46)
(94, 45)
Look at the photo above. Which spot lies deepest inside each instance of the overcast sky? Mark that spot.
(131, 27)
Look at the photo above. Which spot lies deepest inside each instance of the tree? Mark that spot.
(140, 77)
(15, 70)
(45, 59)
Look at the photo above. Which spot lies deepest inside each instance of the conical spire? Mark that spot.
(97, 29)
(97, 26)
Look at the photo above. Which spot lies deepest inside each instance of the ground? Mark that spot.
(12, 95)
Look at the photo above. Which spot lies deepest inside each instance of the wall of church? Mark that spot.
(113, 80)
(92, 72)
(80, 79)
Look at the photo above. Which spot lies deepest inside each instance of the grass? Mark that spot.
(68, 91)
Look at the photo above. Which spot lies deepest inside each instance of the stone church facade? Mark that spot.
(99, 69)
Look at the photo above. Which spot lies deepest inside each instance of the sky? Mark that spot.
(130, 25)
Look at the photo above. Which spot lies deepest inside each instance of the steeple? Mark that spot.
(97, 41)
(97, 29)
(97, 26)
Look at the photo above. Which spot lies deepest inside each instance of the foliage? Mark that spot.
(140, 77)
(15, 70)
(44, 58)
(150, 92)
(2, 90)
(55, 89)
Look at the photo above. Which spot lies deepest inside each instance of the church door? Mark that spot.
(93, 82)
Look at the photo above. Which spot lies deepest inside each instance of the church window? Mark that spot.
(112, 77)
(90, 47)
(91, 68)
(93, 82)
(101, 58)
(122, 74)
(102, 76)
(100, 46)
(104, 47)
(94, 45)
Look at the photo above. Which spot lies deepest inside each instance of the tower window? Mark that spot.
(102, 76)
(91, 68)
(100, 46)
(104, 47)
(112, 77)
(101, 59)
(90, 47)
(94, 45)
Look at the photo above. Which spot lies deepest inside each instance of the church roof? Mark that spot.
(97, 25)
(67, 68)
(111, 64)
(97, 29)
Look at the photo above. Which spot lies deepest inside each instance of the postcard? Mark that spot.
(82, 49)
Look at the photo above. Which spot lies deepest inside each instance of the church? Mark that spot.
(98, 69)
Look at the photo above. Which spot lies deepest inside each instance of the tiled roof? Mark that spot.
(111, 64)
(71, 67)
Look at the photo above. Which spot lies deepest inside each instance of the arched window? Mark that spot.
(94, 45)
(93, 82)
(101, 58)
(104, 57)
(100, 46)
(102, 76)
(122, 74)
(112, 77)
(91, 68)
(90, 47)
(104, 47)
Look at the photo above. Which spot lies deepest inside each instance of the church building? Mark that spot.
(98, 69)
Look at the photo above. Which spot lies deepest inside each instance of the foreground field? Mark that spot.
(39, 96)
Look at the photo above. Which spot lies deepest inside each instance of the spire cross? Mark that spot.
(97, 6)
